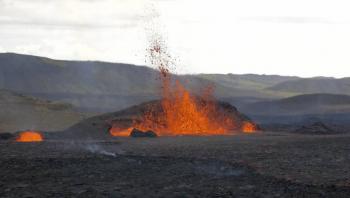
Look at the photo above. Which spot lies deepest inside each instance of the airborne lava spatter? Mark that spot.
(181, 113)
(184, 114)
(30, 136)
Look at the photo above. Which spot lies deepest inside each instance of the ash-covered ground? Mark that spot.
(254, 165)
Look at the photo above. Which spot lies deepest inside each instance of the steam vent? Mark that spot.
(224, 120)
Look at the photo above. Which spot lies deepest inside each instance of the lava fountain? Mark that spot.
(181, 112)
(30, 136)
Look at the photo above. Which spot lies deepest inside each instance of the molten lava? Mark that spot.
(249, 127)
(30, 136)
(185, 114)
(118, 131)
(181, 112)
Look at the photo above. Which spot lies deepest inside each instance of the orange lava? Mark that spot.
(122, 132)
(182, 113)
(249, 127)
(30, 136)
(185, 114)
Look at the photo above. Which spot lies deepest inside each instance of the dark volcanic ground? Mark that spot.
(259, 165)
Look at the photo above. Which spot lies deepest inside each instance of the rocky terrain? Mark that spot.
(259, 165)
(75, 103)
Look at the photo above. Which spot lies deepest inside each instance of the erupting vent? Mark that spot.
(181, 112)
(249, 127)
(30, 136)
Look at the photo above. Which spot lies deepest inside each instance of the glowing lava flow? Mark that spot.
(30, 136)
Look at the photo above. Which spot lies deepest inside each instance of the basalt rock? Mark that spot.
(6, 136)
(138, 133)
(316, 128)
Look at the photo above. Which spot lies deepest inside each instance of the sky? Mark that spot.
(286, 37)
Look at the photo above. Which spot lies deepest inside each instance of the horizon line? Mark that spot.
(199, 73)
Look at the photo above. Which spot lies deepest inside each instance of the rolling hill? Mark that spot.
(287, 113)
(102, 87)
(92, 85)
(314, 85)
(302, 104)
(247, 81)
(96, 86)
(20, 112)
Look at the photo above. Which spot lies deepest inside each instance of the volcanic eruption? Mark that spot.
(181, 112)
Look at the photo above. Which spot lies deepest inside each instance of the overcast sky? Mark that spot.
(286, 37)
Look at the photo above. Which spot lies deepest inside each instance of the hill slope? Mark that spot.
(20, 112)
(33, 74)
(97, 86)
(302, 104)
(105, 87)
(247, 81)
(314, 85)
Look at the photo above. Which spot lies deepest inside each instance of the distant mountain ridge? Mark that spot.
(314, 85)
(248, 81)
(94, 85)
(25, 73)
(301, 104)
(102, 87)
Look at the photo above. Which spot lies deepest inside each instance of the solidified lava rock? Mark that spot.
(316, 128)
(139, 133)
(99, 126)
(6, 136)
